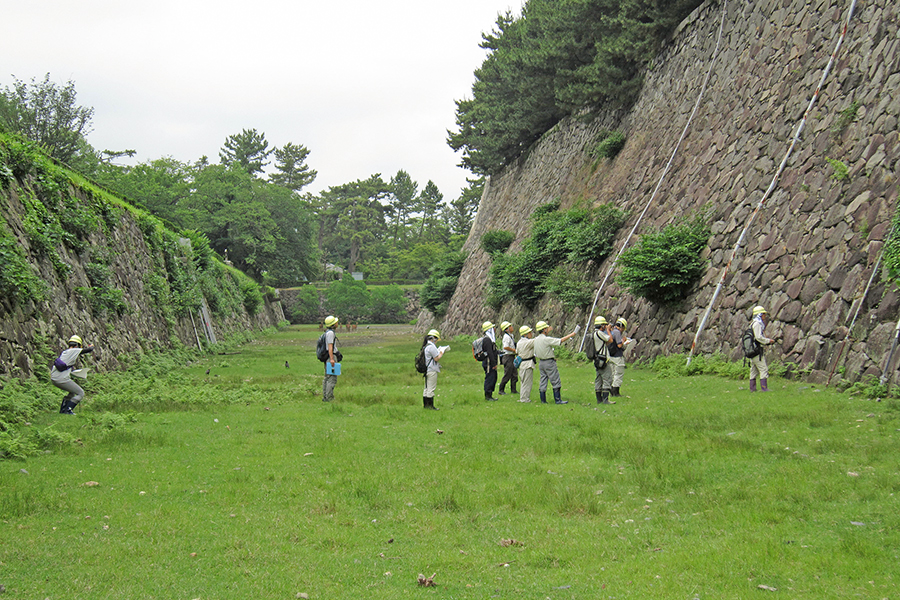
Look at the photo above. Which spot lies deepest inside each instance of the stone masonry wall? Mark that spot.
(811, 250)
(29, 330)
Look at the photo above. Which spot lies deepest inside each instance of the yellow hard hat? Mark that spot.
(541, 325)
(331, 320)
(486, 325)
(76, 340)
(759, 310)
(505, 325)
(434, 333)
(524, 330)
(622, 322)
(601, 321)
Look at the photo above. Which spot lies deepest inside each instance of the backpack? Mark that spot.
(601, 352)
(589, 349)
(421, 363)
(478, 349)
(751, 347)
(322, 350)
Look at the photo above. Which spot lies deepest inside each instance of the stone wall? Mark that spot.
(811, 250)
(30, 331)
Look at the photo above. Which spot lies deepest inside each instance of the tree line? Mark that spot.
(559, 58)
(263, 222)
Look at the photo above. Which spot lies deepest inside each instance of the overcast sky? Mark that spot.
(367, 86)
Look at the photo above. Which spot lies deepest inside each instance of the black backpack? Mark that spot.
(478, 349)
(421, 362)
(751, 347)
(322, 350)
(597, 354)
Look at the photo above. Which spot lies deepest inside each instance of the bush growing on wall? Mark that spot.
(497, 241)
(575, 236)
(665, 264)
(439, 288)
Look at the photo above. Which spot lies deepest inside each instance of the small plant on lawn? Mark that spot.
(664, 265)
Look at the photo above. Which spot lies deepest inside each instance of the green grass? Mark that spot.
(689, 487)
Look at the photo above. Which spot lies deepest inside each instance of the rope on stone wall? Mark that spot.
(668, 166)
(762, 201)
(859, 305)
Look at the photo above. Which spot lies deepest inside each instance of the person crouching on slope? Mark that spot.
(61, 374)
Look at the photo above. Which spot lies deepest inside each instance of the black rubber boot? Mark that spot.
(431, 404)
(604, 398)
(557, 396)
(66, 408)
(424, 402)
(599, 396)
(615, 392)
(543, 397)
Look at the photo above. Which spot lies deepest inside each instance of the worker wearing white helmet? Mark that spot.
(61, 374)
(758, 366)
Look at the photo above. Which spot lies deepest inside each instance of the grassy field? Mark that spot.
(241, 483)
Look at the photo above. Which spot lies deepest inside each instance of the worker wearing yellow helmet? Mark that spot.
(758, 366)
(507, 358)
(431, 354)
(601, 338)
(543, 350)
(332, 358)
(488, 355)
(617, 355)
(62, 370)
(525, 352)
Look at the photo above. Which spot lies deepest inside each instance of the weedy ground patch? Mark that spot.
(241, 482)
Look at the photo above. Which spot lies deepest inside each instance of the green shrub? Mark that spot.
(841, 172)
(570, 285)
(609, 145)
(497, 241)
(18, 281)
(304, 306)
(387, 304)
(575, 236)
(665, 264)
(252, 296)
(440, 285)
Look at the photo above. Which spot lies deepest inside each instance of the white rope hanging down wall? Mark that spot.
(687, 126)
(772, 185)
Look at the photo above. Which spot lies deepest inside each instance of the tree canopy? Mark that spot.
(559, 58)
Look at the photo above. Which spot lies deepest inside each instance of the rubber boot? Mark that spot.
(490, 397)
(764, 385)
(66, 408)
(544, 397)
(615, 392)
(604, 398)
(557, 396)
(599, 396)
(753, 385)
(424, 402)
(429, 403)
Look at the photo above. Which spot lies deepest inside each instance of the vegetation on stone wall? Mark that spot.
(497, 241)
(66, 216)
(441, 284)
(892, 249)
(575, 237)
(664, 265)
